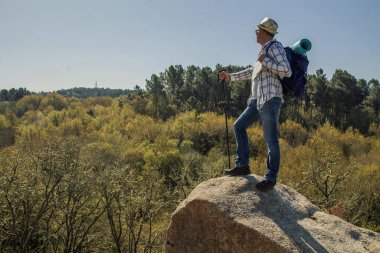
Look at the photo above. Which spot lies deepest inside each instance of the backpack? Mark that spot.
(295, 84)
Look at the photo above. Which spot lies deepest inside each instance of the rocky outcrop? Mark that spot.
(227, 214)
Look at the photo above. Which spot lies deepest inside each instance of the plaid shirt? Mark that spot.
(266, 84)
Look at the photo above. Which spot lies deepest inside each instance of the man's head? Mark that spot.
(266, 30)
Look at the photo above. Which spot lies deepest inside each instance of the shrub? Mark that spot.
(31, 102)
(293, 133)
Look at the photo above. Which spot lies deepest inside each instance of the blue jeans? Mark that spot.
(269, 117)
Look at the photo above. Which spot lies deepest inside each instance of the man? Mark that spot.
(265, 102)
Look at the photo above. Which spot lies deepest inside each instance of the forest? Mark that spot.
(86, 171)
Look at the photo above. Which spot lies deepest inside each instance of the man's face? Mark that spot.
(262, 36)
(259, 35)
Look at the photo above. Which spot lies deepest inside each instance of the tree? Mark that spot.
(56, 101)
(138, 91)
(82, 92)
(364, 89)
(173, 77)
(326, 176)
(30, 102)
(29, 182)
(4, 96)
(373, 98)
(240, 92)
(346, 95)
(201, 87)
(16, 94)
(187, 90)
(155, 88)
(7, 132)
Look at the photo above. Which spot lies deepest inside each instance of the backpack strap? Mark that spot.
(267, 49)
(270, 44)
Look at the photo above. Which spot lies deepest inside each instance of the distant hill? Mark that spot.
(82, 92)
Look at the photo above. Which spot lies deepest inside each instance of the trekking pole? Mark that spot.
(226, 111)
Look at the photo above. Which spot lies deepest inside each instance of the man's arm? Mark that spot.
(245, 74)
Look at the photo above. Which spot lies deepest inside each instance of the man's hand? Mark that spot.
(261, 59)
(224, 76)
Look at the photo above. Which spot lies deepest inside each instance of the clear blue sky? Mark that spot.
(51, 44)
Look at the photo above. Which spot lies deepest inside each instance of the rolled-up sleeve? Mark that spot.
(245, 74)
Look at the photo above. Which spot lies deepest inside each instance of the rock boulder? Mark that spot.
(227, 214)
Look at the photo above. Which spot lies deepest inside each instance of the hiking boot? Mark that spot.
(238, 171)
(265, 185)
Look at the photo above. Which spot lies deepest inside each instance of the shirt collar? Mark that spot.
(267, 43)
